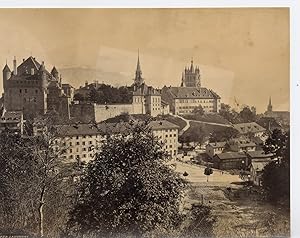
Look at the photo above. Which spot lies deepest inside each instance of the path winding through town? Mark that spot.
(187, 126)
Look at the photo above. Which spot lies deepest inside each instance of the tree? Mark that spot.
(276, 175)
(36, 183)
(208, 171)
(226, 112)
(128, 189)
(223, 135)
(198, 110)
(247, 115)
(78, 97)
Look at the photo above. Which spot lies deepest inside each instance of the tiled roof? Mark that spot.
(192, 92)
(104, 128)
(231, 155)
(217, 144)
(244, 128)
(258, 154)
(143, 89)
(25, 66)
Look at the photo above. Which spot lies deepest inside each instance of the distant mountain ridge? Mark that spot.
(77, 76)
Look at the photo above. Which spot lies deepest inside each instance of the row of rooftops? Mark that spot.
(191, 92)
(109, 128)
(257, 154)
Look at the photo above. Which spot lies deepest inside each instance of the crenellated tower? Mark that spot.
(191, 76)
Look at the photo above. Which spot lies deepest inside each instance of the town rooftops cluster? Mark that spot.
(109, 128)
(250, 127)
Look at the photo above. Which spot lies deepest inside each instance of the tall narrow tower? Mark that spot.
(191, 76)
(270, 107)
(138, 80)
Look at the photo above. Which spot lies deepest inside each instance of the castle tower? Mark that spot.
(138, 73)
(6, 75)
(191, 76)
(270, 107)
(15, 66)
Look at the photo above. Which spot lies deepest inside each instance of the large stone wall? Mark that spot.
(103, 112)
(95, 112)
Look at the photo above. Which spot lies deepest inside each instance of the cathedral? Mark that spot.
(30, 88)
(191, 94)
(191, 77)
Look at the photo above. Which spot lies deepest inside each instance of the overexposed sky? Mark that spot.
(243, 52)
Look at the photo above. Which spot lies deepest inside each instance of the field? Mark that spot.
(238, 212)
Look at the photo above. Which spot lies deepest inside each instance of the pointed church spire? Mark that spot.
(270, 107)
(138, 73)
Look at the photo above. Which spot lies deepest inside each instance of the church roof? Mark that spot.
(144, 89)
(192, 92)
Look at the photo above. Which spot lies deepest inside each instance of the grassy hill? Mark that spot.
(215, 118)
(207, 129)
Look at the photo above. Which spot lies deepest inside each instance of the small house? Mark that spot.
(230, 160)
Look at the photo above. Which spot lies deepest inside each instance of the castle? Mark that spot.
(190, 94)
(30, 88)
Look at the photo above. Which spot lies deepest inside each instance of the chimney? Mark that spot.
(15, 66)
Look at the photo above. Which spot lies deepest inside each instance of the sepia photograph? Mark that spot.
(145, 122)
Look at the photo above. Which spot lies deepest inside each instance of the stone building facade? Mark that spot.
(81, 140)
(30, 88)
(184, 99)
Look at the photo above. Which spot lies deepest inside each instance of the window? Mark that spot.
(36, 91)
(20, 90)
(25, 90)
(77, 143)
(77, 137)
(84, 149)
(90, 142)
(71, 156)
(83, 143)
(70, 150)
(84, 155)
(70, 143)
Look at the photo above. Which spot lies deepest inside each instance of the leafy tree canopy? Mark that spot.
(128, 189)
(276, 175)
